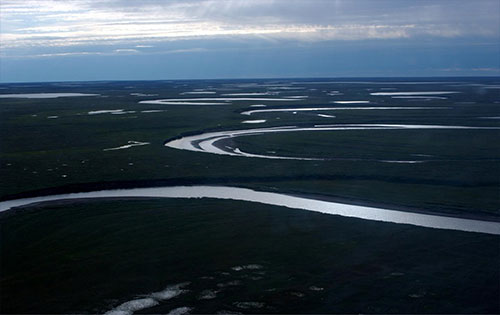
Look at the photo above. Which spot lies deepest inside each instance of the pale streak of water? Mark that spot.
(257, 121)
(350, 102)
(307, 109)
(276, 199)
(165, 102)
(142, 94)
(127, 146)
(45, 95)
(250, 94)
(413, 93)
(216, 99)
(420, 97)
(105, 111)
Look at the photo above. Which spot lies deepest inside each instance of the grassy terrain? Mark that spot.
(40, 155)
(94, 255)
(91, 256)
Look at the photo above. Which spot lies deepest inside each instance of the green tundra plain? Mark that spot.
(95, 255)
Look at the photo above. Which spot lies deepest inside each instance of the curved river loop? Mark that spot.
(208, 143)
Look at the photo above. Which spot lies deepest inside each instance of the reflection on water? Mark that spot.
(243, 194)
(206, 142)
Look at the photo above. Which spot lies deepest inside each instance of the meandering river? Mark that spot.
(277, 199)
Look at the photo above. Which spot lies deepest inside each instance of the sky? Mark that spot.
(79, 40)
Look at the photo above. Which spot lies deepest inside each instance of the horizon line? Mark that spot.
(259, 78)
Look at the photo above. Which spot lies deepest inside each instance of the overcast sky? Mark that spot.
(57, 40)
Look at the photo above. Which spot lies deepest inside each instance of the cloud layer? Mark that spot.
(52, 40)
(57, 23)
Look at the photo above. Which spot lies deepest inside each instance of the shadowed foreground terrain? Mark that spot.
(281, 260)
